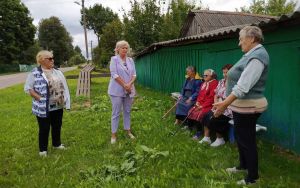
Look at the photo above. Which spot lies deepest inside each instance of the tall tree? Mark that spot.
(97, 17)
(28, 55)
(270, 7)
(112, 33)
(174, 18)
(77, 50)
(54, 36)
(17, 30)
(142, 24)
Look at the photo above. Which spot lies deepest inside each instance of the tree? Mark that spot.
(270, 7)
(97, 17)
(174, 18)
(112, 33)
(54, 36)
(28, 56)
(17, 30)
(77, 50)
(142, 24)
(76, 60)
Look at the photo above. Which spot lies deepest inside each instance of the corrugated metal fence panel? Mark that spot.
(164, 70)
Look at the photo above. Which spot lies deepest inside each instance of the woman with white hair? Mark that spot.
(204, 101)
(246, 82)
(121, 88)
(50, 94)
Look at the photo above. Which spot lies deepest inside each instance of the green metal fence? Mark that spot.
(26, 68)
(164, 70)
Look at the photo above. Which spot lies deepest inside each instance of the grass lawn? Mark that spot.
(157, 158)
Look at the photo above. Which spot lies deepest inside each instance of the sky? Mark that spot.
(69, 13)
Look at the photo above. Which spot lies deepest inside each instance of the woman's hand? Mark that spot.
(198, 106)
(219, 108)
(188, 101)
(127, 87)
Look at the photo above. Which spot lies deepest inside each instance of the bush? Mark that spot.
(76, 60)
(4, 68)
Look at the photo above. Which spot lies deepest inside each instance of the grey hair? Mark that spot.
(120, 44)
(212, 73)
(191, 68)
(253, 31)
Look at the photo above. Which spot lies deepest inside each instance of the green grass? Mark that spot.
(154, 159)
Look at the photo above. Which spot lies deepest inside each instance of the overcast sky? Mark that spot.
(69, 12)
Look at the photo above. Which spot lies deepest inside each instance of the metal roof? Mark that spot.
(225, 32)
(201, 21)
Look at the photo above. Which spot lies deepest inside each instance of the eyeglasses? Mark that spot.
(50, 58)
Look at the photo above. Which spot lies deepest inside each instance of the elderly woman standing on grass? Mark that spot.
(121, 88)
(50, 93)
(245, 87)
(188, 94)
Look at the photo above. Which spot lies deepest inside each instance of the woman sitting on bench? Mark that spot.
(188, 94)
(204, 102)
(220, 124)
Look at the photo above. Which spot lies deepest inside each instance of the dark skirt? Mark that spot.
(182, 108)
(219, 124)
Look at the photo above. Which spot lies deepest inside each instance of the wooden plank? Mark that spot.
(84, 81)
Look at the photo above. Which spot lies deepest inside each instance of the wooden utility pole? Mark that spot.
(84, 27)
(91, 50)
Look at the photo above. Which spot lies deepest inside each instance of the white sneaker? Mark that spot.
(113, 140)
(43, 153)
(131, 136)
(205, 140)
(260, 128)
(234, 170)
(241, 182)
(244, 182)
(60, 147)
(218, 142)
(185, 128)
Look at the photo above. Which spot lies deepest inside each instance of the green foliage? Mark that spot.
(54, 36)
(9, 68)
(177, 161)
(97, 17)
(270, 7)
(174, 18)
(17, 31)
(76, 60)
(112, 32)
(77, 50)
(132, 162)
(29, 55)
(142, 24)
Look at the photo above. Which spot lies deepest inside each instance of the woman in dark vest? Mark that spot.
(246, 82)
(188, 94)
(50, 94)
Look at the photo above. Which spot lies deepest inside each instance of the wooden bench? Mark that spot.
(84, 81)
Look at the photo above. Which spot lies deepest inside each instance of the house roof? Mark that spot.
(225, 32)
(203, 21)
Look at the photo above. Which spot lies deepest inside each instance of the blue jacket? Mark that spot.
(195, 89)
